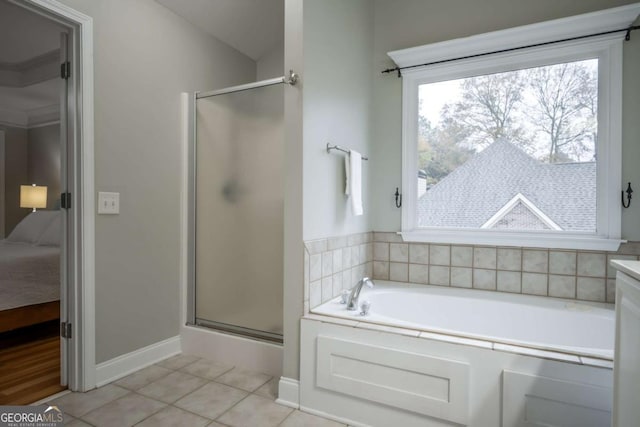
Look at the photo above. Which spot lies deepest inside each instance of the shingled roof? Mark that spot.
(474, 192)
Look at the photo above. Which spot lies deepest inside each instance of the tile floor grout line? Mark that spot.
(121, 397)
(209, 379)
(231, 407)
(285, 418)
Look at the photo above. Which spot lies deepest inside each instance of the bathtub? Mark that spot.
(437, 356)
(567, 326)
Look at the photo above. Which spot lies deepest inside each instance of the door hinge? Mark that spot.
(65, 200)
(65, 70)
(65, 330)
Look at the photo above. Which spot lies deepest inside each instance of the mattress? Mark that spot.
(29, 274)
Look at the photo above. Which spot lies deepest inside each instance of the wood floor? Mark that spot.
(30, 364)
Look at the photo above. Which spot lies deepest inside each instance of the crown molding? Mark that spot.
(542, 32)
(31, 71)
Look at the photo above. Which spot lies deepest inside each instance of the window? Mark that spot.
(521, 148)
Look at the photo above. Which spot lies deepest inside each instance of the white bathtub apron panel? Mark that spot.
(407, 380)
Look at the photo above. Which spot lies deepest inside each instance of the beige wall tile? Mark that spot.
(387, 237)
(355, 255)
(484, 257)
(315, 294)
(591, 289)
(380, 251)
(438, 275)
(399, 271)
(363, 253)
(439, 254)
(561, 262)
(337, 260)
(316, 246)
(611, 272)
(509, 281)
(399, 252)
(346, 258)
(327, 288)
(315, 267)
(592, 264)
(418, 253)
(562, 286)
(346, 279)
(336, 242)
(327, 264)
(535, 261)
(611, 290)
(381, 270)
(461, 277)
(462, 256)
(534, 283)
(484, 279)
(509, 259)
(419, 273)
(336, 284)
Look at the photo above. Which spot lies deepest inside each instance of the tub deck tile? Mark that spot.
(456, 340)
(544, 354)
(392, 329)
(599, 363)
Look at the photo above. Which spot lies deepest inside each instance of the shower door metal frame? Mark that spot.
(192, 320)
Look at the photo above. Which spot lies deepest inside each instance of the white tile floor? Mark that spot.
(186, 391)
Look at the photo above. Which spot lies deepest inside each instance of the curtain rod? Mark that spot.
(627, 38)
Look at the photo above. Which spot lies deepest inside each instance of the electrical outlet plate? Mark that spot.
(108, 203)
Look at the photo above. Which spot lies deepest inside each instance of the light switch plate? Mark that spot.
(108, 203)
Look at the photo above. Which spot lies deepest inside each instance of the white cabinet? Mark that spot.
(626, 401)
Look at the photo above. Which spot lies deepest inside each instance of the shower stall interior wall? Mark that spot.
(238, 202)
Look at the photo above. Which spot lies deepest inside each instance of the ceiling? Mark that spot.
(254, 27)
(25, 35)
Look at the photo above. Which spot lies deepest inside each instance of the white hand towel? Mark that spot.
(347, 172)
(354, 181)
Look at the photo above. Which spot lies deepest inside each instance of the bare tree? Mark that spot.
(488, 108)
(565, 109)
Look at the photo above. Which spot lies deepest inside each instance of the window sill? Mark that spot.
(517, 239)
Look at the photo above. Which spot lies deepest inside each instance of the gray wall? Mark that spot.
(15, 175)
(144, 57)
(338, 42)
(406, 23)
(271, 64)
(330, 43)
(44, 161)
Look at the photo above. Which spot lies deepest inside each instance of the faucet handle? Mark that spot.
(344, 296)
(365, 307)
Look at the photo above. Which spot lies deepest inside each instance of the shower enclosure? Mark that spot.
(237, 203)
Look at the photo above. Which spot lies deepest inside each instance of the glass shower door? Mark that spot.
(239, 208)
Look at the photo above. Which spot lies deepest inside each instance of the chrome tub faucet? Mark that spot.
(352, 301)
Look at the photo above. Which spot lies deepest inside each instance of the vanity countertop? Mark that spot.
(632, 268)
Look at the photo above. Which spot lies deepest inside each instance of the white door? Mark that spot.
(626, 373)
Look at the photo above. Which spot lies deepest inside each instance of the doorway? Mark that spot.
(46, 137)
(33, 236)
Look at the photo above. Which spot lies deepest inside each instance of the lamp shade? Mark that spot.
(33, 196)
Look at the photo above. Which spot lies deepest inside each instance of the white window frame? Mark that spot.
(606, 48)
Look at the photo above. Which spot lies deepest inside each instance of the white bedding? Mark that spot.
(29, 274)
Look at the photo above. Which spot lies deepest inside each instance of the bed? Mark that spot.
(30, 272)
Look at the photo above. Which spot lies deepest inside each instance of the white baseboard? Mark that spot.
(122, 366)
(329, 416)
(246, 353)
(289, 392)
